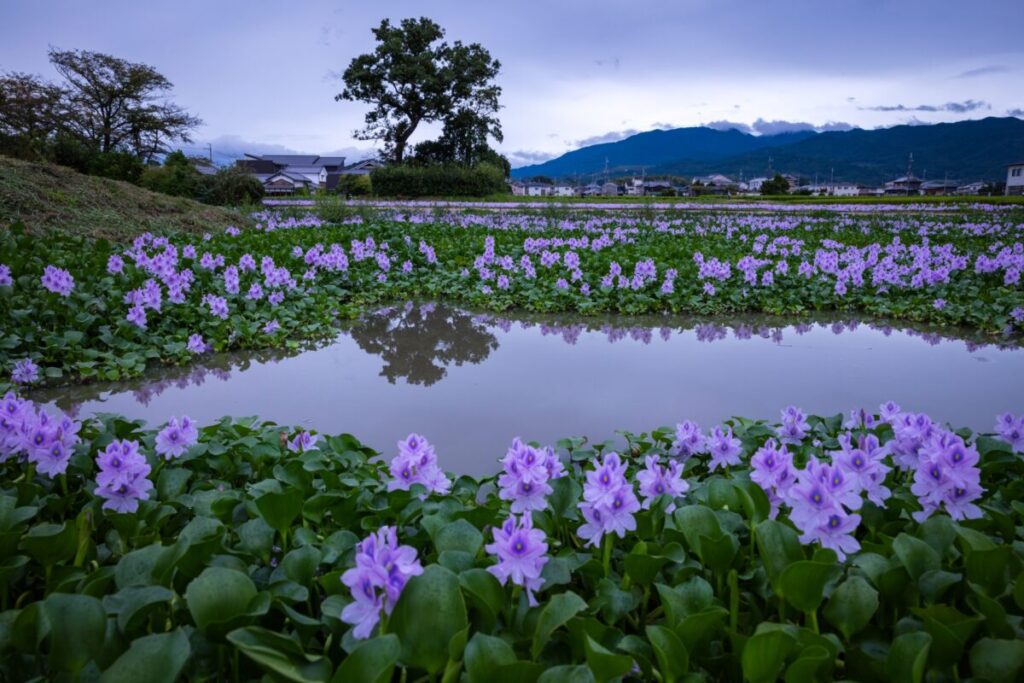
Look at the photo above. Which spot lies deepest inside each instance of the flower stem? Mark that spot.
(607, 561)
(812, 620)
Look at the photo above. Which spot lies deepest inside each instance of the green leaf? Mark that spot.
(279, 510)
(673, 659)
(172, 482)
(373, 661)
(851, 606)
(950, 630)
(559, 610)
(300, 564)
(908, 657)
(280, 655)
(605, 665)
(78, 626)
(813, 664)
(429, 612)
(484, 593)
(916, 556)
(219, 595)
(157, 658)
(764, 655)
(778, 546)
(641, 567)
(133, 604)
(998, 661)
(803, 583)
(567, 673)
(484, 654)
(459, 535)
(49, 544)
(136, 568)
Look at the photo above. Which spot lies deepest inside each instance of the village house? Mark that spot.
(563, 190)
(1015, 179)
(971, 189)
(939, 187)
(610, 189)
(291, 173)
(904, 185)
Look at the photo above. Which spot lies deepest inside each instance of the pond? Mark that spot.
(471, 382)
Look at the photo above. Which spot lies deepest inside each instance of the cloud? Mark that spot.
(229, 147)
(728, 125)
(522, 157)
(613, 136)
(984, 71)
(956, 107)
(835, 126)
(775, 127)
(1015, 112)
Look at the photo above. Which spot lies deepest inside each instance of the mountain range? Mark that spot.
(966, 151)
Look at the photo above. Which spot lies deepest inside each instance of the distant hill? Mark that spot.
(966, 150)
(657, 147)
(49, 197)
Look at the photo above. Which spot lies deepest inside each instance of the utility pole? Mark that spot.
(910, 168)
(209, 148)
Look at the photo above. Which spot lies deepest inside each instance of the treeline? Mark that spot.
(109, 117)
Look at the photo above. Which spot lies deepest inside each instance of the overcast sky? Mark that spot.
(263, 75)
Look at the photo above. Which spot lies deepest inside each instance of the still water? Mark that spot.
(470, 382)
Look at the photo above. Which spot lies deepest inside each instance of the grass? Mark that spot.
(46, 197)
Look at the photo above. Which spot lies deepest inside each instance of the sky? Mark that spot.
(263, 75)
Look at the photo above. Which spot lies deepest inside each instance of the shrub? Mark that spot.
(438, 181)
(230, 187)
(352, 185)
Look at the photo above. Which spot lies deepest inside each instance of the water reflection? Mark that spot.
(419, 342)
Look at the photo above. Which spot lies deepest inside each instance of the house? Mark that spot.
(364, 167)
(592, 190)
(562, 190)
(1015, 179)
(635, 187)
(518, 188)
(835, 189)
(538, 190)
(657, 187)
(285, 182)
(870, 191)
(904, 185)
(971, 189)
(754, 184)
(292, 172)
(939, 187)
(610, 189)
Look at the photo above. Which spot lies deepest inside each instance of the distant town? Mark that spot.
(287, 174)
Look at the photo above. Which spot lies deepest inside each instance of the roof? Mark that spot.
(1016, 163)
(289, 159)
(297, 177)
(330, 161)
(940, 183)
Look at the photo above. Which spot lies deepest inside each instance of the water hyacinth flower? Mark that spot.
(123, 476)
(115, 264)
(137, 316)
(57, 280)
(725, 449)
(25, 371)
(521, 552)
(688, 440)
(947, 476)
(178, 436)
(416, 463)
(303, 441)
(1011, 430)
(657, 480)
(5, 276)
(818, 515)
(864, 464)
(196, 344)
(524, 480)
(48, 441)
(771, 468)
(218, 306)
(794, 425)
(271, 327)
(608, 502)
(381, 571)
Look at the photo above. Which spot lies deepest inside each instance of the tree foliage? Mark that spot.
(414, 77)
(777, 185)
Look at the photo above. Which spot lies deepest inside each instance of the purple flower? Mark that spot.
(810, 499)
(196, 344)
(689, 440)
(835, 533)
(771, 468)
(381, 571)
(525, 478)
(255, 292)
(177, 437)
(656, 480)
(1010, 429)
(137, 316)
(521, 551)
(794, 425)
(48, 441)
(123, 477)
(218, 306)
(416, 463)
(302, 442)
(939, 304)
(5, 276)
(57, 280)
(25, 372)
(724, 448)
(115, 264)
(608, 502)
(271, 327)
(947, 475)
(864, 465)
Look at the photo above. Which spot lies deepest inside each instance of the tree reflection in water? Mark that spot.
(418, 343)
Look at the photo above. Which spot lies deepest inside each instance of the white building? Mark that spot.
(563, 191)
(836, 189)
(1015, 179)
(971, 188)
(538, 190)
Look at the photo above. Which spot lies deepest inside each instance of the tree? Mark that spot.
(411, 78)
(30, 113)
(176, 177)
(777, 185)
(114, 104)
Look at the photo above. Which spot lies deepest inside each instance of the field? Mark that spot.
(878, 545)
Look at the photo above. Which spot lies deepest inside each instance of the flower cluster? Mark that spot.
(1011, 430)
(45, 440)
(608, 502)
(725, 449)
(947, 476)
(689, 440)
(123, 477)
(25, 372)
(822, 499)
(521, 552)
(416, 463)
(381, 571)
(661, 480)
(57, 280)
(794, 425)
(771, 468)
(302, 442)
(178, 436)
(527, 471)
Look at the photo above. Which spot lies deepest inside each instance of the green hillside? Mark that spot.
(46, 197)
